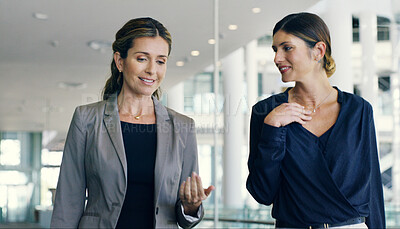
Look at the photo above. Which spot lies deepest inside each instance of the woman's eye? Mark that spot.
(287, 48)
(160, 62)
(140, 59)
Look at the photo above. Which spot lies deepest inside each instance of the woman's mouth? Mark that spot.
(284, 69)
(147, 81)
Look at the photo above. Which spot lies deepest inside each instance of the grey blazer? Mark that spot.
(94, 162)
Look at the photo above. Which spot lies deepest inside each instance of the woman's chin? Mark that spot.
(286, 80)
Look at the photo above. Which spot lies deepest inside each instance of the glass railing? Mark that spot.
(261, 217)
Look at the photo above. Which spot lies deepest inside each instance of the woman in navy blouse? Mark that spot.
(313, 150)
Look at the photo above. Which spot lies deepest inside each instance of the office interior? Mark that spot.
(55, 56)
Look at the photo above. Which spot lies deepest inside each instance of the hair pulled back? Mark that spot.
(311, 29)
(124, 40)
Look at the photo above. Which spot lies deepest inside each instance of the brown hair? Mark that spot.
(311, 29)
(124, 39)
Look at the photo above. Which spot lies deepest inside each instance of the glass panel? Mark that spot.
(10, 152)
(49, 178)
(205, 164)
(13, 178)
(18, 200)
(51, 157)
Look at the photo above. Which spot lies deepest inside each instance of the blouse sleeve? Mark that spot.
(71, 186)
(190, 164)
(376, 218)
(267, 150)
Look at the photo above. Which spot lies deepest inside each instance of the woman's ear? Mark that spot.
(118, 61)
(319, 50)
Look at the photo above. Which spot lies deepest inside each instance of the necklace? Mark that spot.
(137, 117)
(315, 108)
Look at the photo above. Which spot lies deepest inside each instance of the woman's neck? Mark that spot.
(311, 94)
(134, 105)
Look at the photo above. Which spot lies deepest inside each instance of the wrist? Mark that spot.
(191, 209)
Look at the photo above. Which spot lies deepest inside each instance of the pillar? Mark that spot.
(338, 18)
(251, 73)
(395, 89)
(368, 39)
(233, 70)
(175, 97)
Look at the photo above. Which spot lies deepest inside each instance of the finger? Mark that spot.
(187, 189)
(193, 188)
(291, 110)
(294, 104)
(209, 190)
(200, 189)
(305, 117)
(300, 110)
(182, 191)
(299, 120)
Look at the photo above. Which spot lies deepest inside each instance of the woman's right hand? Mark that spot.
(287, 113)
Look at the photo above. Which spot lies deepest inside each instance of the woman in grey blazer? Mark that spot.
(129, 161)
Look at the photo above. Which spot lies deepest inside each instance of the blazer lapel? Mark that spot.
(164, 138)
(113, 126)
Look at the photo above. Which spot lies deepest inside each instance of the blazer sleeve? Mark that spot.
(70, 193)
(376, 218)
(267, 150)
(190, 164)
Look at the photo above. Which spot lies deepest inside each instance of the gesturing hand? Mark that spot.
(192, 194)
(287, 113)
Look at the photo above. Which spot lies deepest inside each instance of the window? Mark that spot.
(383, 28)
(10, 152)
(51, 161)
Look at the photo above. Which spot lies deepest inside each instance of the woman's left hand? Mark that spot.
(192, 194)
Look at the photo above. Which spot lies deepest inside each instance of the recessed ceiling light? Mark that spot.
(211, 41)
(40, 16)
(180, 63)
(256, 10)
(195, 53)
(72, 85)
(232, 27)
(99, 45)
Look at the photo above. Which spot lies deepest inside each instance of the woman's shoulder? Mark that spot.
(92, 107)
(270, 102)
(354, 101)
(178, 117)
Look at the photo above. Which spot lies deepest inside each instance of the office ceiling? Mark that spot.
(47, 67)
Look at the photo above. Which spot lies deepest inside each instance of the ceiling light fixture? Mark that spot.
(99, 45)
(40, 16)
(232, 27)
(256, 10)
(195, 53)
(211, 41)
(180, 63)
(72, 85)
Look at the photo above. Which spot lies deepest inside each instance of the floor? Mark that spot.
(20, 225)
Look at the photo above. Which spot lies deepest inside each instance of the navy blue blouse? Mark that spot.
(314, 180)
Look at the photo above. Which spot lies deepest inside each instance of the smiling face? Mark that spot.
(145, 65)
(293, 57)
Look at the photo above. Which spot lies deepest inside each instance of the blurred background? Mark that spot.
(55, 55)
